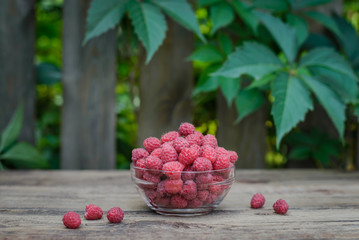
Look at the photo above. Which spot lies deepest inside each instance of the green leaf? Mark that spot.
(12, 131)
(261, 82)
(328, 58)
(329, 100)
(356, 111)
(299, 4)
(149, 24)
(345, 87)
(102, 17)
(182, 13)
(247, 102)
(301, 27)
(207, 2)
(302, 152)
(206, 83)
(274, 5)
(230, 87)
(24, 155)
(221, 15)
(253, 59)
(47, 74)
(327, 21)
(291, 103)
(246, 14)
(206, 53)
(225, 43)
(1, 167)
(317, 40)
(283, 34)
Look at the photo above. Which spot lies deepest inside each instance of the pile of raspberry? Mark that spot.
(178, 168)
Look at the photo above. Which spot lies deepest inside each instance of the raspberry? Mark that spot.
(188, 173)
(210, 199)
(151, 194)
(93, 212)
(202, 195)
(186, 129)
(216, 189)
(189, 190)
(115, 215)
(221, 151)
(156, 153)
(138, 153)
(161, 191)
(71, 220)
(202, 164)
(164, 202)
(195, 203)
(147, 176)
(153, 163)
(232, 156)
(209, 153)
(187, 156)
(198, 149)
(194, 139)
(141, 163)
(209, 140)
(151, 144)
(203, 181)
(173, 186)
(180, 143)
(169, 154)
(257, 201)
(280, 206)
(173, 169)
(222, 162)
(199, 134)
(178, 201)
(217, 178)
(170, 136)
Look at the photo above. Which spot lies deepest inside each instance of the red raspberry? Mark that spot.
(151, 194)
(173, 186)
(232, 156)
(173, 169)
(203, 181)
(149, 177)
(93, 212)
(187, 156)
(189, 190)
(161, 191)
(170, 136)
(199, 134)
(156, 153)
(153, 163)
(151, 144)
(210, 199)
(202, 195)
(198, 149)
(163, 202)
(71, 220)
(257, 201)
(138, 153)
(280, 206)
(222, 162)
(188, 173)
(221, 151)
(217, 178)
(115, 215)
(194, 139)
(141, 163)
(209, 153)
(180, 143)
(186, 129)
(216, 189)
(209, 140)
(202, 164)
(195, 203)
(169, 154)
(178, 201)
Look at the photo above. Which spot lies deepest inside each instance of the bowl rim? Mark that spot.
(132, 166)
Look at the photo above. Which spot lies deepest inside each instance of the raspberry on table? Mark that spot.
(222, 162)
(115, 215)
(169, 154)
(71, 220)
(209, 153)
(170, 136)
(186, 129)
(189, 190)
(138, 153)
(178, 201)
(202, 164)
(210, 140)
(180, 143)
(194, 139)
(173, 186)
(280, 206)
(257, 200)
(187, 156)
(151, 144)
(173, 169)
(93, 212)
(154, 163)
(232, 156)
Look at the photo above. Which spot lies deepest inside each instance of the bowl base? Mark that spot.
(183, 212)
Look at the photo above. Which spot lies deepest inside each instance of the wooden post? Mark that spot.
(166, 85)
(89, 81)
(17, 71)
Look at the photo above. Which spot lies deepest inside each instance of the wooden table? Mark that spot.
(323, 205)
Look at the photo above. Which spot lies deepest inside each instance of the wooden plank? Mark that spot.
(323, 205)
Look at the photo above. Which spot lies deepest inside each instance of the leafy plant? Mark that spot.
(147, 19)
(18, 154)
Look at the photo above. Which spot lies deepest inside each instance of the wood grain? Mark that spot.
(323, 205)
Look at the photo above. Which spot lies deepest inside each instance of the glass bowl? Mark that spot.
(185, 193)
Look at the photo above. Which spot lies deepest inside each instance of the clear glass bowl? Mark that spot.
(185, 193)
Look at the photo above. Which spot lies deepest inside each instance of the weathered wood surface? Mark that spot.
(323, 205)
